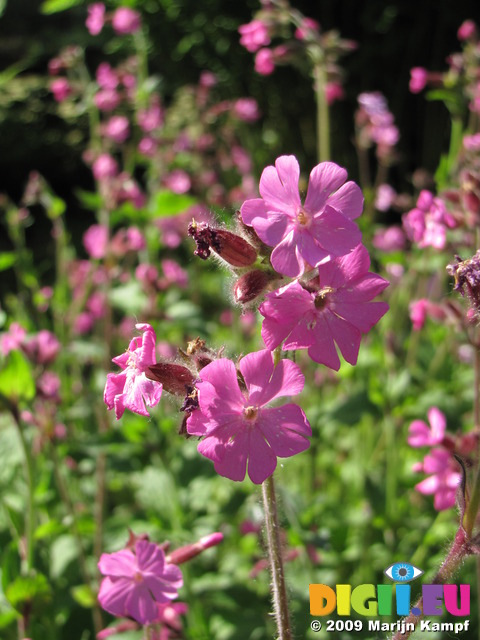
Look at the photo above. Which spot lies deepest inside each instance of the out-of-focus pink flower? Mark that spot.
(246, 109)
(421, 434)
(43, 347)
(170, 621)
(384, 197)
(418, 79)
(336, 309)
(48, 384)
(151, 118)
(333, 92)
(12, 339)
(131, 239)
(117, 628)
(264, 62)
(126, 20)
(61, 89)
(466, 30)
(105, 166)
(130, 191)
(426, 225)
(241, 159)
(106, 100)
(422, 309)
(174, 273)
(308, 28)
(254, 35)
(178, 181)
(96, 305)
(147, 146)
(136, 583)
(472, 143)
(95, 240)
(96, 18)
(106, 76)
(131, 389)
(207, 79)
(83, 323)
(389, 239)
(312, 232)
(238, 427)
(444, 481)
(117, 129)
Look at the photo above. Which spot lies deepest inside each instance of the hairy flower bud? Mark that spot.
(250, 285)
(229, 246)
(174, 378)
(189, 551)
(467, 279)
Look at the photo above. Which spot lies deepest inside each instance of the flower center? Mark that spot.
(137, 577)
(321, 298)
(302, 218)
(250, 413)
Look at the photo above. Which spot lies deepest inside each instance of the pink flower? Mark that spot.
(336, 308)
(308, 28)
(178, 181)
(147, 147)
(384, 197)
(312, 232)
(126, 20)
(466, 30)
(254, 35)
(422, 435)
(444, 481)
(418, 313)
(238, 428)
(131, 389)
(334, 91)
(472, 143)
(106, 100)
(106, 76)
(389, 239)
(264, 62)
(117, 129)
(418, 79)
(246, 109)
(95, 241)
(427, 223)
(96, 18)
(174, 273)
(104, 167)
(61, 89)
(151, 118)
(12, 339)
(43, 347)
(137, 583)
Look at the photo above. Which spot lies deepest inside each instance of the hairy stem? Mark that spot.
(279, 591)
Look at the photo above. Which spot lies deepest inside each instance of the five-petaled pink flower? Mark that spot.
(427, 224)
(444, 481)
(238, 427)
(312, 232)
(335, 307)
(420, 434)
(131, 389)
(136, 583)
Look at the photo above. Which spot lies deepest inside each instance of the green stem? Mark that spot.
(30, 515)
(323, 115)
(279, 591)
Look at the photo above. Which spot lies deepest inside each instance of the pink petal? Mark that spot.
(346, 336)
(363, 316)
(346, 268)
(261, 460)
(428, 486)
(363, 289)
(113, 595)
(121, 563)
(308, 247)
(264, 382)
(113, 387)
(323, 350)
(147, 350)
(222, 394)
(348, 200)
(438, 423)
(325, 178)
(286, 258)
(286, 429)
(149, 556)
(336, 233)
(270, 226)
(418, 434)
(233, 461)
(279, 185)
(141, 606)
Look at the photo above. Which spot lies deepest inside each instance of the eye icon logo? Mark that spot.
(402, 572)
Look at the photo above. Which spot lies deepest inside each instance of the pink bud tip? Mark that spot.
(211, 540)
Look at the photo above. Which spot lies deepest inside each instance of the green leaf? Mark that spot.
(7, 259)
(57, 208)
(89, 199)
(16, 380)
(63, 552)
(129, 298)
(28, 590)
(84, 596)
(166, 203)
(54, 6)
(10, 565)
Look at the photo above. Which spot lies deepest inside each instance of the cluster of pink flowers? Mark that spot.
(427, 223)
(375, 125)
(444, 473)
(124, 20)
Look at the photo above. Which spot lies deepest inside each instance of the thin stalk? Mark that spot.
(30, 514)
(323, 115)
(279, 591)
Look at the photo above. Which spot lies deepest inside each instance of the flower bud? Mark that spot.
(250, 285)
(229, 246)
(189, 551)
(174, 378)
